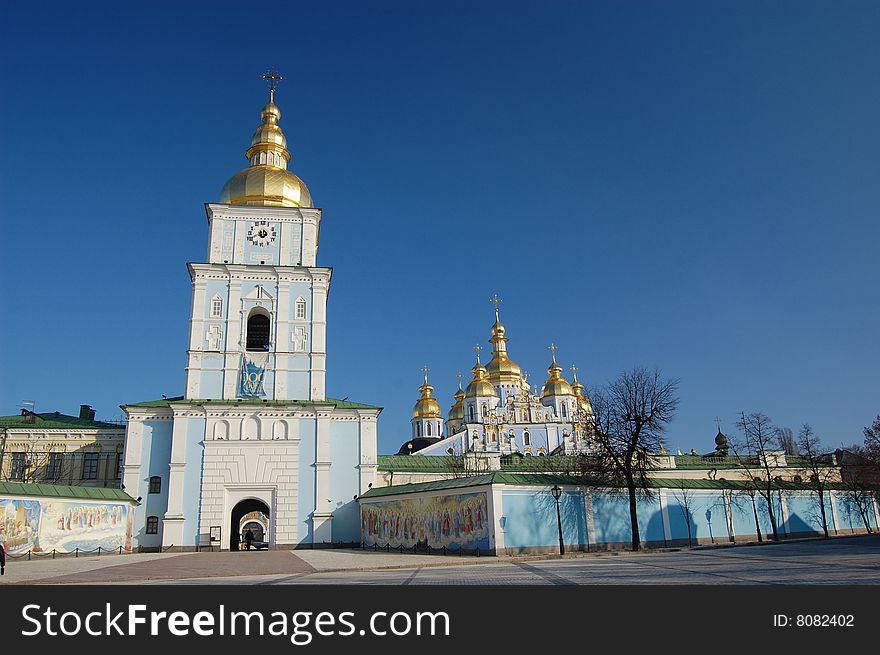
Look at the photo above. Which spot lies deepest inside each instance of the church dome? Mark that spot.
(501, 368)
(267, 182)
(556, 385)
(584, 403)
(427, 406)
(479, 387)
(456, 412)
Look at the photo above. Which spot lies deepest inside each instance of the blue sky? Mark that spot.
(686, 185)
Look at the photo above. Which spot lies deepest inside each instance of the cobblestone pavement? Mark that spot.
(850, 560)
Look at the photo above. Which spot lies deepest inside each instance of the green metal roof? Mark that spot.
(54, 421)
(63, 491)
(414, 463)
(339, 404)
(548, 479)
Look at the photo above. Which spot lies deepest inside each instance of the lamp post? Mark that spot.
(557, 492)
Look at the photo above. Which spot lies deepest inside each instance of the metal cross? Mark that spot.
(574, 370)
(460, 377)
(478, 348)
(425, 370)
(553, 351)
(495, 299)
(718, 423)
(272, 77)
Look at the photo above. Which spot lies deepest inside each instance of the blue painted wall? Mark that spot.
(306, 502)
(344, 479)
(156, 452)
(192, 476)
(705, 512)
(530, 518)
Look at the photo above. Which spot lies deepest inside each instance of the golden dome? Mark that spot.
(267, 182)
(501, 368)
(456, 412)
(479, 386)
(584, 403)
(556, 385)
(427, 406)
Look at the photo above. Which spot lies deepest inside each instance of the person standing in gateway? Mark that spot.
(248, 539)
(2, 560)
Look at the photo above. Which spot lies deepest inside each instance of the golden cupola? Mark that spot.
(501, 368)
(427, 406)
(556, 385)
(456, 412)
(479, 386)
(266, 182)
(583, 402)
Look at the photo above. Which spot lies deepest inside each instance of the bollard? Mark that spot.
(53, 553)
(99, 551)
(120, 550)
(478, 552)
(77, 552)
(29, 556)
(444, 550)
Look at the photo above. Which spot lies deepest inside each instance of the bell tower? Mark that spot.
(259, 308)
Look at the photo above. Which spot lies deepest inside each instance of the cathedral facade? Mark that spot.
(498, 412)
(255, 433)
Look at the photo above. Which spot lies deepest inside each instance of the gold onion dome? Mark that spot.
(479, 386)
(427, 406)
(267, 182)
(584, 403)
(556, 385)
(457, 410)
(501, 368)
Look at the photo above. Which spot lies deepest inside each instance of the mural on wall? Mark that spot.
(455, 521)
(63, 525)
(19, 524)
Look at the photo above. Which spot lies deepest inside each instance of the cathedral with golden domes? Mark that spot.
(499, 413)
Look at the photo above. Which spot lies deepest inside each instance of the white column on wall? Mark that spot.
(664, 512)
(133, 447)
(172, 524)
(367, 464)
(728, 513)
(591, 519)
(233, 337)
(835, 519)
(323, 514)
(320, 287)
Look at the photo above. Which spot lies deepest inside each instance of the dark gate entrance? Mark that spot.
(238, 512)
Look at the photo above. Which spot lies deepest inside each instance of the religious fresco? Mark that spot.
(455, 521)
(63, 525)
(19, 524)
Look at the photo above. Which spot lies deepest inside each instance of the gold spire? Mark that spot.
(426, 406)
(556, 385)
(501, 368)
(456, 412)
(267, 182)
(584, 403)
(479, 386)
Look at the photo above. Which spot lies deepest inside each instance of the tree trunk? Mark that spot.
(633, 515)
(769, 499)
(822, 508)
(757, 523)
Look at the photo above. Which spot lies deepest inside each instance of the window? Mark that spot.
(120, 461)
(418, 429)
(258, 332)
(564, 410)
(471, 413)
(527, 439)
(152, 525)
(429, 430)
(217, 307)
(18, 466)
(53, 466)
(90, 466)
(301, 310)
(155, 485)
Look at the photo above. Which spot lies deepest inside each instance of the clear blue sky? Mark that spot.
(688, 185)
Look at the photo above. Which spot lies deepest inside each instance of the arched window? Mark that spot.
(430, 432)
(527, 439)
(471, 413)
(155, 485)
(418, 429)
(258, 332)
(216, 307)
(494, 437)
(564, 410)
(300, 310)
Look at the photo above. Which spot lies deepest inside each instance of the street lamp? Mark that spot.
(557, 492)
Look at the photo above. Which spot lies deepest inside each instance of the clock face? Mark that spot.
(261, 233)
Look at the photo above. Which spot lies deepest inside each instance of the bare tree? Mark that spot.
(787, 443)
(748, 498)
(754, 453)
(872, 444)
(860, 483)
(630, 415)
(819, 471)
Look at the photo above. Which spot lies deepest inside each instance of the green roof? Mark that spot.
(54, 421)
(548, 479)
(339, 404)
(63, 491)
(414, 463)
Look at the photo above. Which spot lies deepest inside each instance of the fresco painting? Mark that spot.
(455, 521)
(63, 525)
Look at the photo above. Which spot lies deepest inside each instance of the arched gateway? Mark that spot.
(241, 509)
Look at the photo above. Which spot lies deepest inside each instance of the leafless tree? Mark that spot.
(630, 415)
(872, 444)
(818, 469)
(747, 498)
(755, 454)
(787, 442)
(860, 483)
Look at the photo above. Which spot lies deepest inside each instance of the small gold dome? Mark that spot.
(479, 386)
(584, 403)
(427, 406)
(267, 182)
(556, 385)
